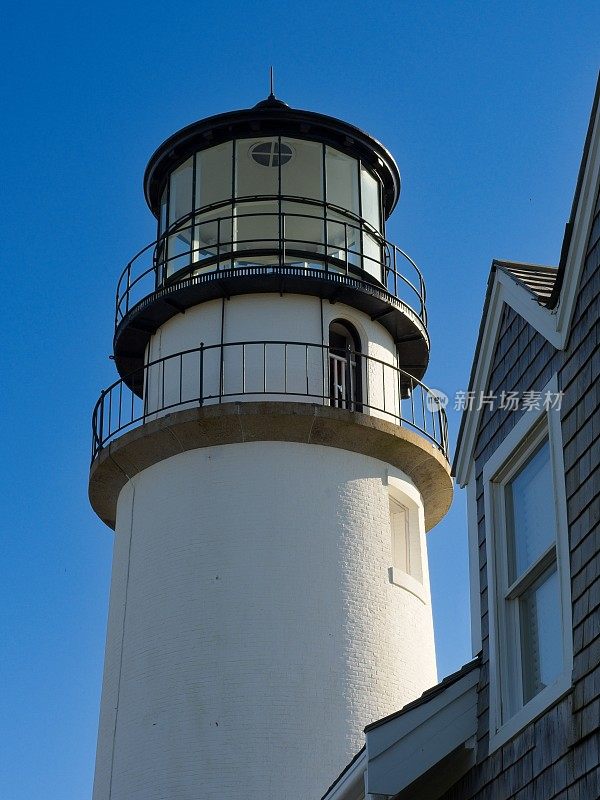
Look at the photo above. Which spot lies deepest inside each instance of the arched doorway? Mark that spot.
(345, 374)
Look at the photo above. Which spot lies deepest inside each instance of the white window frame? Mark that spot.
(531, 430)
(398, 492)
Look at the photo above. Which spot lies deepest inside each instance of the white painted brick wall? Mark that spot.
(260, 630)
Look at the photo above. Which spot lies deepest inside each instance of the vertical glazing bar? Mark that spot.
(346, 247)
(162, 372)
(325, 231)
(360, 214)
(233, 206)
(218, 243)
(280, 204)
(264, 367)
(284, 234)
(194, 228)
(285, 368)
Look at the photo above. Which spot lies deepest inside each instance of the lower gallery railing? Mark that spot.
(269, 370)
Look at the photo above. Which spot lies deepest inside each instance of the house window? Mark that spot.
(532, 578)
(528, 574)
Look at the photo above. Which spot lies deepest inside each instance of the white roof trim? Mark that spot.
(553, 325)
(582, 223)
(403, 749)
(350, 785)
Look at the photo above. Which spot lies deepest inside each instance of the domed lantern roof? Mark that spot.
(272, 117)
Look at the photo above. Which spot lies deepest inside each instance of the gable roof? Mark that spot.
(429, 744)
(537, 279)
(428, 694)
(542, 295)
(580, 187)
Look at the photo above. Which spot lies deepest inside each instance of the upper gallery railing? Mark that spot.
(322, 240)
(269, 370)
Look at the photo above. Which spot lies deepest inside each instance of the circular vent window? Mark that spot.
(271, 154)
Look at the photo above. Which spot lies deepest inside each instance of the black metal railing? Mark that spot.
(272, 370)
(215, 239)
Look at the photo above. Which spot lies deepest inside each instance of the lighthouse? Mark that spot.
(270, 461)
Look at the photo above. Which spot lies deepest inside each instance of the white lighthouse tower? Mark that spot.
(269, 461)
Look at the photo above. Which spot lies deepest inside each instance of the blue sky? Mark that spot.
(484, 106)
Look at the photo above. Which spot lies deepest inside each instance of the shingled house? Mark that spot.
(521, 720)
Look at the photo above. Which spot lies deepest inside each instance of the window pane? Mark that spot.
(180, 195)
(399, 525)
(342, 180)
(530, 513)
(256, 167)
(212, 235)
(304, 232)
(162, 219)
(541, 635)
(213, 174)
(179, 250)
(302, 175)
(256, 233)
(369, 187)
(372, 257)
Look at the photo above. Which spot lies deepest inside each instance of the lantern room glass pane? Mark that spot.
(302, 174)
(369, 188)
(256, 228)
(162, 219)
(343, 239)
(213, 236)
(342, 180)
(214, 175)
(304, 233)
(257, 167)
(179, 249)
(371, 250)
(180, 193)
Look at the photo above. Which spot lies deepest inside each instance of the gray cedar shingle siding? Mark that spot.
(557, 756)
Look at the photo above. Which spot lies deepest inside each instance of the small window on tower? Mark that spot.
(406, 544)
